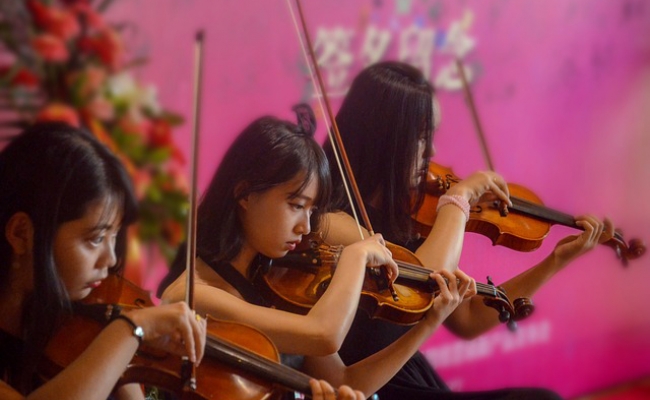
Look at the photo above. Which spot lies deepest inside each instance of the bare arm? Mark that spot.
(373, 372)
(319, 332)
(473, 318)
(95, 372)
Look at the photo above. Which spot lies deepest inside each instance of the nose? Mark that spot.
(433, 150)
(109, 258)
(304, 226)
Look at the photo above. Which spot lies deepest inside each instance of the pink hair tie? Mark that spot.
(458, 201)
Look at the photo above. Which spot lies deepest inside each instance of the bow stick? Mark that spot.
(337, 141)
(472, 108)
(189, 372)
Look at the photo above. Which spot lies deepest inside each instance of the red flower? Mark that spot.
(23, 77)
(160, 133)
(61, 23)
(85, 11)
(107, 46)
(173, 231)
(50, 48)
(59, 112)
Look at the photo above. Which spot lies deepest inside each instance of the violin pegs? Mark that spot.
(504, 315)
(512, 325)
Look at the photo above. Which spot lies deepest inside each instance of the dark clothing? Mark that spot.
(416, 379)
(11, 351)
(252, 295)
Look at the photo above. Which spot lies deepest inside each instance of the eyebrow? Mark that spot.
(300, 196)
(101, 227)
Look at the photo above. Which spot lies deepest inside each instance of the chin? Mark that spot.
(276, 254)
(80, 294)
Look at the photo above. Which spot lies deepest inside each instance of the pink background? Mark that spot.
(563, 91)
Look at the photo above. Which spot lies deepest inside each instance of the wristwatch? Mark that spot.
(138, 332)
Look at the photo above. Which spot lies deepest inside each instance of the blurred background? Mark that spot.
(562, 89)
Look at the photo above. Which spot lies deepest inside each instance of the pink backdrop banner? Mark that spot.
(563, 91)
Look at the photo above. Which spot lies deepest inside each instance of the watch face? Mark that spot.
(139, 332)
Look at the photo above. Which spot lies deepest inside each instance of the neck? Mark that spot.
(11, 307)
(243, 260)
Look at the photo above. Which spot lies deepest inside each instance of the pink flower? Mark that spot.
(141, 182)
(87, 82)
(59, 112)
(61, 23)
(50, 48)
(99, 107)
(134, 127)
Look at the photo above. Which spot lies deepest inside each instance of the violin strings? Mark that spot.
(258, 365)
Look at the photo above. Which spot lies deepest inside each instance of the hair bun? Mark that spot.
(306, 119)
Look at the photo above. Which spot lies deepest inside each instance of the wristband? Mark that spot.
(458, 201)
(138, 332)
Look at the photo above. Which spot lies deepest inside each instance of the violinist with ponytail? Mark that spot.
(269, 190)
(387, 121)
(65, 204)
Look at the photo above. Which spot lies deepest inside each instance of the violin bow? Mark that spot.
(333, 132)
(475, 118)
(189, 369)
(336, 140)
(623, 250)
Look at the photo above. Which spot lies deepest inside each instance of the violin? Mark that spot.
(296, 282)
(522, 229)
(240, 362)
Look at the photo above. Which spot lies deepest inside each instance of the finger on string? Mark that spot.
(442, 284)
(316, 390)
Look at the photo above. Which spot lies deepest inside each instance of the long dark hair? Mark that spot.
(268, 153)
(53, 172)
(387, 110)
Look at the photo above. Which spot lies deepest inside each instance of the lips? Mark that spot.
(292, 245)
(95, 284)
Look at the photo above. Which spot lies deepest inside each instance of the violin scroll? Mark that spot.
(509, 313)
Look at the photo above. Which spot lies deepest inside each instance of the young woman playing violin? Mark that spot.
(65, 203)
(269, 190)
(386, 121)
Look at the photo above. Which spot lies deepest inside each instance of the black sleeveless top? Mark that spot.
(252, 295)
(416, 380)
(11, 350)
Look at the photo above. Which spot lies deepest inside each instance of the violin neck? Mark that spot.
(414, 274)
(257, 365)
(543, 213)
(550, 215)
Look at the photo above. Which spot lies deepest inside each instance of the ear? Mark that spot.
(19, 232)
(239, 189)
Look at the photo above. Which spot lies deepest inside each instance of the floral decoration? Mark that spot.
(61, 60)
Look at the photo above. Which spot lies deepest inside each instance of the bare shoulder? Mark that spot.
(8, 393)
(341, 228)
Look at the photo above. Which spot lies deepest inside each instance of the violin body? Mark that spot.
(524, 228)
(240, 362)
(297, 281)
(519, 233)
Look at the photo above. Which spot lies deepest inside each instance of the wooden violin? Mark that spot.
(525, 226)
(240, 362)
(297, 281)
